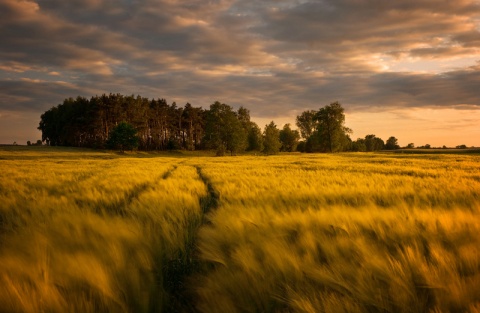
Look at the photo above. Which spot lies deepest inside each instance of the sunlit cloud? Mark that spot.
(275, 57)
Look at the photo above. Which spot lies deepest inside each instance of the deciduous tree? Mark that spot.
(123, 137)
(289, 138)
(223, 130)
(373, 143)
(255, 138)
(359, 145)
(392, 143)
(271, 139)
(306, 123)
(331, 131)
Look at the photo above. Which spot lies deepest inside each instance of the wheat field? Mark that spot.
(89, 231)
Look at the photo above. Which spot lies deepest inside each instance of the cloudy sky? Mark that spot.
(407, 68)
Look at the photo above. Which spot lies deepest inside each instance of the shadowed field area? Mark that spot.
(87, 231)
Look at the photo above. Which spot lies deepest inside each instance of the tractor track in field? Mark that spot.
(184, 270)
(211, 200)
(120, 207)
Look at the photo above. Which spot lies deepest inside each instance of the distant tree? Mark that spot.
(289, 138)
(243, 116)
(39, 142)
(123, 137)
(359, 145)
(461, 147)
(253, 132)
(392, 143)
(302, 146)
(14, 143)
(223, 130)
(255, 138)
(410, 146)
(428, 146)
(373, 143)
(271, 139)
(331, 132)
(306, 123)
(192, 124)
(29, 143)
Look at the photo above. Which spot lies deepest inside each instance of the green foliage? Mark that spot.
(255, 138)
(307, 123)
(302, 146)
(85, 122)
(359, 145)
(243, 116)
(392, 143)
(373, 143)
(271, 139)
(123, 137)
(331, 132)
(223, 130)
(289, 138)
(324, 130)
(251, 129)
(192, 123)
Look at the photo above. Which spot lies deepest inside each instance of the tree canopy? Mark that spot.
(289, 138)
(224, 130)
(324, 130)
(83, 122)
(123, 137)
(271, 139)
(392, 143)
(373, 143)
(306, 123)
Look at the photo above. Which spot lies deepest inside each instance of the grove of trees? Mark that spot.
(126, 122)
(324, 130)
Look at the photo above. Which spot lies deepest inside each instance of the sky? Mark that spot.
(403, 68)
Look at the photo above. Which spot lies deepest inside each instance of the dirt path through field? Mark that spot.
(180, 274)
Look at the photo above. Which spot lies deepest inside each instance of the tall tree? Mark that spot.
(255, 138)
(359, 145)
(123, 137)
(158, 124)
(307, 123)
(331, 131)
(392, 143)
(243, 115)
(223, 130)
(271, 139)
(254, 133)
(373, 143)
(193, 125)
(289, 138)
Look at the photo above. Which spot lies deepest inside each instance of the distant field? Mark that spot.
(89, 231)
(439, 151)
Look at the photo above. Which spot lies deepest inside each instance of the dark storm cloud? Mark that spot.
(274, 57)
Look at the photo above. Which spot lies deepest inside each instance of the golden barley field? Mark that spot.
(90, 231)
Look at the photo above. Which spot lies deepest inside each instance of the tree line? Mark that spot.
(125, 122)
